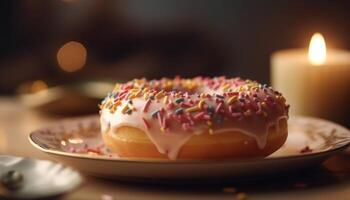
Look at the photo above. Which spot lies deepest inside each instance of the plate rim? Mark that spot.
(163, 161)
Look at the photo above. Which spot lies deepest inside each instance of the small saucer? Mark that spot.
(77, 142)
(35, 179)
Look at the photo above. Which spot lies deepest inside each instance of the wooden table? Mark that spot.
(329, 181)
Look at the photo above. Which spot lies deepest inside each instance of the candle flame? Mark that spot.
(317, 50)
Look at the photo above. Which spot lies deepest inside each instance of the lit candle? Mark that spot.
(314, 82)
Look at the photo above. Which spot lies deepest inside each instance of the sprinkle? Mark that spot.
(211, 132)
(231, 100)
(131, 107)
(232, 94)
(200, 104)
(123, 94)
(160, 95)
(155, 113)
(131, 95)
(137, 94)
(225, 87)
(170, 105)
(125, 108)
(219, 96)
(113, 109)
(230, 109)
(108, 104)
(101, 106)
(146, 105)
(179, 100)
(129, 112)
(117, 102)
(165, 99)
(192, 109)
(134, 90)
(199, 116)
(145, 123)
(216, 85)
(179, 111)
(218, 107)
(185, 104)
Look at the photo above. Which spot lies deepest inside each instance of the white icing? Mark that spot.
(170, 143)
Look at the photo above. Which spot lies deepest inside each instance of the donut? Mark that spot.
(193, 119)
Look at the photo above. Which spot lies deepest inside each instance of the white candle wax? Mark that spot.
(315, 90)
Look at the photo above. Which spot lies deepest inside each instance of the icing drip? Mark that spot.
(166, 143)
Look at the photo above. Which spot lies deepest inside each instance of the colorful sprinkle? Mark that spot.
(146, 105)
(200, 104)
(231, 100)
(155, 113)
(218, 107)
(179, 100)
(125, 108)
(146, 123)
(179, 111)
(199, 116)
(192, 109)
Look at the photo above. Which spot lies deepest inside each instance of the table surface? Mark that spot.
(328, 181)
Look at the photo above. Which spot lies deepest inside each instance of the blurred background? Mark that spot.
(68, 42)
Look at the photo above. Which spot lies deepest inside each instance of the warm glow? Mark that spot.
(71, 56)
(317, 50)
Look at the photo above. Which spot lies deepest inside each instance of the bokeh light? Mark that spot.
(37, 86)
(71, 56)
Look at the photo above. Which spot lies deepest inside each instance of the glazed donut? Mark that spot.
(199, 118)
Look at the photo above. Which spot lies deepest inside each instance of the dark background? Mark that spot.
(155, 38)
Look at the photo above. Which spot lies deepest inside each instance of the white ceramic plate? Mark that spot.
(77, 142)
(40, 178)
